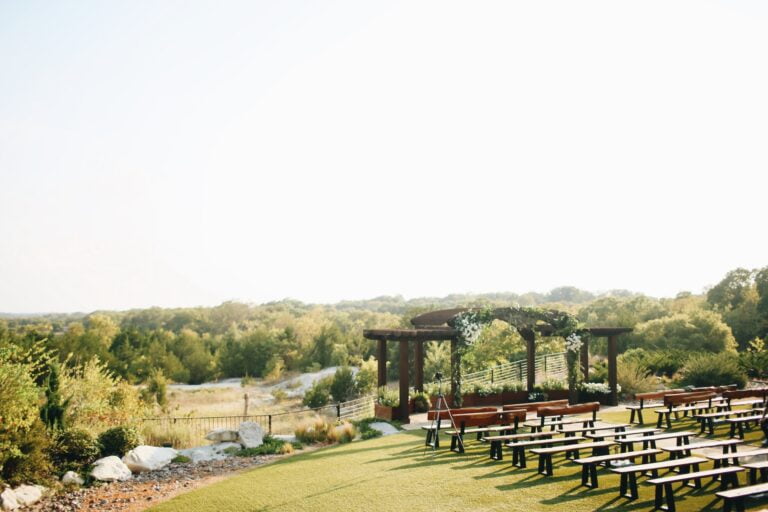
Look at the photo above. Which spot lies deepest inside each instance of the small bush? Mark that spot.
(319, 394)
(364, 427)
(343, 386)
(30, 461)
(178, 435)
(119, 441)
(634, 377)
(312, 431)
(286, 449)
(365, 379)
(156, 389)
(271, 446)
(279, 394)
(388, 397)
(181, 459)
(713, 370)
(551, 385)
(73, 449)
(345, 432)
(421, 402)
(513, 386)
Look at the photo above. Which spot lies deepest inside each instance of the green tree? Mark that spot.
(700, 331)
(343, 386)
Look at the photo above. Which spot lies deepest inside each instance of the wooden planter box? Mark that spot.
(603, 398)
(384, 412)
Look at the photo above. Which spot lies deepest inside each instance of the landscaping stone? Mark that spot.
(221, 435)
(211, 452)
(250, 434)
(383, 427)
(111, 469)
(148, 458)
(72, 478)
(8, 500)
(28, 494)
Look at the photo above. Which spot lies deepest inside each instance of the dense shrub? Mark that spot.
(712, 370)
(156, 389)
(365, 379)
(364, 427)
(421, 402)
(754, 361)
(342, 433)
(319, 394)
(30, 460)
(659, 362)
(551, 385)
(695, 331)
(633, 377)
(271, 446)
(119, 441)
(343, 386)
(74, 449)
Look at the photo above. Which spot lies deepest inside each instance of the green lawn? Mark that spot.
(395, 473)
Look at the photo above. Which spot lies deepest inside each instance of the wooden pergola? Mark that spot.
(434, 326)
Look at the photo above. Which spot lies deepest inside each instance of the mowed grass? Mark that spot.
(396, 473)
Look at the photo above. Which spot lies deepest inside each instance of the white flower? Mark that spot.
(573, 343)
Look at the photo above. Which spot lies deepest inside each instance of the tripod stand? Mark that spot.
(434, 427)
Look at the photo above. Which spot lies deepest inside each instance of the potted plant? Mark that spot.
(387, 403)
(595, 392)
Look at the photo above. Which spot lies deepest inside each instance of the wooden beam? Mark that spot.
(613, 351)
(585, 358)
(418, 373)
(381, 356)
(403, 370)
(530, 356)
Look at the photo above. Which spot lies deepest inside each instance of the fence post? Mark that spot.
(546, 374)
(270, 424)
(491, 375)
(338, 411)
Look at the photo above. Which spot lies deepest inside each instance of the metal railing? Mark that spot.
(548, 366)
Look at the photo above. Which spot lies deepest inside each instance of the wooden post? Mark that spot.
(455, 398)
(382, 360)
(530, 356)
(418, 373)
(404, 414)
(585, 358)
(612, 375)
(245, 409)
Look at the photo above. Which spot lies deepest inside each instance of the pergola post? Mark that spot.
(418, 373)
(455, 373)
(381, 356)
(404, 412)
(585, 358)
(530, 356)
(612, 374)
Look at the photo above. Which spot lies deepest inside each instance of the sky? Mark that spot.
(187, 153)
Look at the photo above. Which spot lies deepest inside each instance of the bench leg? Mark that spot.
(753, 476)
(669, 421)
(658, 501)
(660, 419)
(631, 415)
(711, 423)
(428, 442)
(633, 486)
(670, 498)
(623, 486)
(764, 474)
(640, 416)
(585, 475)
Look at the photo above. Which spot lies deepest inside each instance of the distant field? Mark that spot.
(395, 474)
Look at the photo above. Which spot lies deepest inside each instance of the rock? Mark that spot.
(250, 434)
(110, 469)
(212, 452)
(28, 494)
(72, 478)
(8, 500)
(148, 458)
(383, 427)
(221, 435)
(288, 438)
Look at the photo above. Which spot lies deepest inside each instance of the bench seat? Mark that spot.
(735, 497)
(665, 495)
(754, 467)
(684, 450)
(560, 423)
(583, 430)
(628, 482)
(589, 464)
(518, 448)
(624, 433)
(737, 424)
(496, 441)
(724, 459)
(707, 420)
(545, 454)
(628, 443)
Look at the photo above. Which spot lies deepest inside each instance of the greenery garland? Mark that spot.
(469, 325)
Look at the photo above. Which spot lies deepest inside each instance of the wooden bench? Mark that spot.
(535, 406)
(754, 467)
(496, 441)
(445, 415)
(684, 402)
(557, 415)
(628, 482)
(545, 454)
(624, 433)
(735, 497)
(707, 420)
(617, 427)
(684, 450)
(508, 420)
(737, 397)
(665, 493)
(589, 464)
(737, 424)
(518, 448)
(644, 398)
(649, 441)
(724, 459)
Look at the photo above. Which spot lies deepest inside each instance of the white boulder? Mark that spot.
(221, 435)
(28, 494)
(250, 434)
(148, 458)
(72, 478)
(8, 500)
(110, 469)
(211, 452)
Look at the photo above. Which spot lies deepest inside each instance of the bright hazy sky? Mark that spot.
(186, 153)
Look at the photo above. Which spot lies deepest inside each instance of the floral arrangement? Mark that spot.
(597, 388)
(573, 343)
